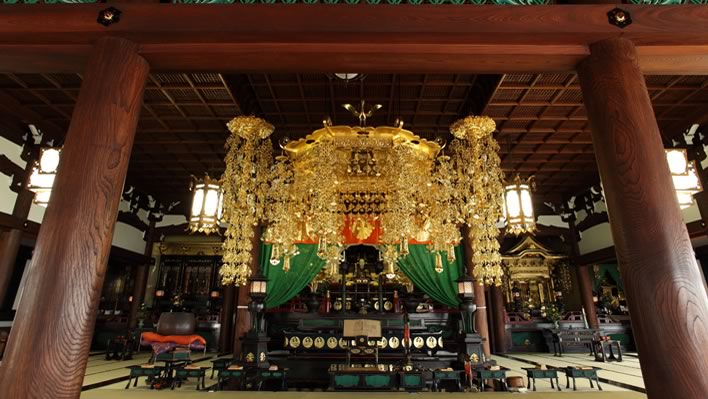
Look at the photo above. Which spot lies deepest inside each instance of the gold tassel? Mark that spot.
(286, 264)
(438, 263)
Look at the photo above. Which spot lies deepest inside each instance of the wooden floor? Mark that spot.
(107, 380)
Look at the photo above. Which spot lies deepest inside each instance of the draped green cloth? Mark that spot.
(419, 267)
(284, 286)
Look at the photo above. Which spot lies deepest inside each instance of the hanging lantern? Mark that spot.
(43, 174)
(207, 202)
(684, 175)
(518, 207)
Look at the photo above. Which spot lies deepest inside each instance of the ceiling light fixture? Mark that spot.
(43, 174)
(207, 205)
(684, 175)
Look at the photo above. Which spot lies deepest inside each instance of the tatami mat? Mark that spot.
(626, 374)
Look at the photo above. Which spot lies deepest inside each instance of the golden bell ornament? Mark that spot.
(451, 254)
(404, 246)
(275, 255)
(438, 263)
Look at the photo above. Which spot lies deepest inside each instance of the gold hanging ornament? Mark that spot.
(475, 156)
(386, 175)
(245, 183)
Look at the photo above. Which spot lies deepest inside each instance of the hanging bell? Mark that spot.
(390, 271)
(322, 247)
(286, 264)
(438, 263)
(275, 255)
(404, 246)
(451, 254)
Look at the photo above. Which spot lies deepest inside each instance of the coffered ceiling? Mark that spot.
(543, 127)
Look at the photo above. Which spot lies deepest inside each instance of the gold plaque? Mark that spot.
(393, 342)
(337, 305)
(307, 342)
(332, 343)
(262, 357)
(440, 342)
(474, 358)
(250, 357)
(342, 343)
(355, 351)
(285, 345)
(418, 342)
(376, 305)
(319, 342)
(388, 305)
(431, 342)
(295, 342)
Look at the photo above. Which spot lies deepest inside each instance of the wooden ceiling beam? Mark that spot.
(424, 38)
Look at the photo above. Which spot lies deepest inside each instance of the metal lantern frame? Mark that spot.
(684, 174)
(207, 205)
(43, 174)
(518, 206)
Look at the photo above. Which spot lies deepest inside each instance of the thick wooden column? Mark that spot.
(665, 293)
(141, 276)
(480, 316)
(499, 319)
(10, 240)
(50, 340)
(586, 295)
(243, 317)
(227, 318)
(584, 280)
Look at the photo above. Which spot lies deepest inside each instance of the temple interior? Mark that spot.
(342, 198)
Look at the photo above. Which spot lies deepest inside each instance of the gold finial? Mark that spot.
(361, 113)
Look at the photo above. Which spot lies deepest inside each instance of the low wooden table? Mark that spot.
(362, 379)
(139, 371)
(263, 375)
(532, 373)
(574, 372)
(415, 380)
(220, 364)
(185, 372)
(227, 374)
(441, 376)
(484, 374)
(601, 347)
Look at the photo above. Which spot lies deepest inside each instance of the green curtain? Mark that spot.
(419, 266)
(284, 286)
(613, 271)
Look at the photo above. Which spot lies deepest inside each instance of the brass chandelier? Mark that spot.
(375, 178)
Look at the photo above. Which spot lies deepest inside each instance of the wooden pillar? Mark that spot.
(584, 280)
(227, 318)
(499, 319)
(585, 283)
(480, 316)
(50, 340)
(665, 293)
(141, 276)
(243, 318)
(10, 240)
